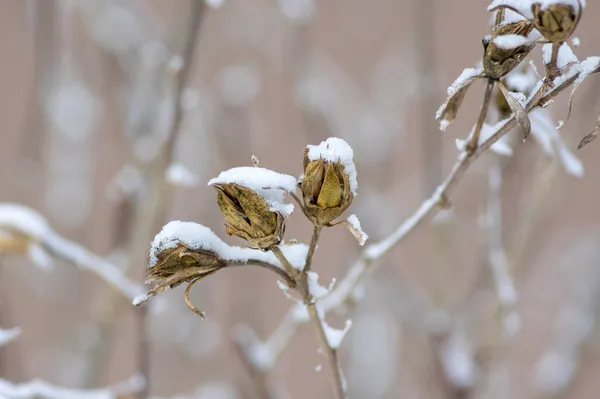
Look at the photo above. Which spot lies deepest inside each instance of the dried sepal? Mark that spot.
(249, 216)
(325, 189)
(556, 22)
(517, 109)
(177, 265)
(13, 242)
(456, 93)
(591, 136)
(498, 61)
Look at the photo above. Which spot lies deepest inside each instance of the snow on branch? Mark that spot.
(38, 389)
(196, 236)
(9, 335)
(21, 220)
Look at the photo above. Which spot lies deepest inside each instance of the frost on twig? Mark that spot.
(334, 336)
(353, 225)
(9, 335)
(38, 389)
(26, 222)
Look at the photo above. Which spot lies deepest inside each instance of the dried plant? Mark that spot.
(254, 201)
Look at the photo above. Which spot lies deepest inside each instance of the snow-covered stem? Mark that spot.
(331, 353)
(363, 266)
(35, 389)
(503, 282)
(311, 248)
(474, 141)
(289, 269)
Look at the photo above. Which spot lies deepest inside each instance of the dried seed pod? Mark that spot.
(249, 216)
(556, 22)
(325, 189)
(180, 264)
(498, 61)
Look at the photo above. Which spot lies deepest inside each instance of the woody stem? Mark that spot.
(474, 141)
(312, 247)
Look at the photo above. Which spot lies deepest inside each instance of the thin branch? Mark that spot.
(37, 389)
(291, 271)
(35, 227)
(274, 268)
(505, 288)
(331, 353)
(313, 245)
(482, 115)
(363, 266)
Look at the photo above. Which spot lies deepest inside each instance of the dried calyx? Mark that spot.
(325, 189)
(497, 61)
(249, 216)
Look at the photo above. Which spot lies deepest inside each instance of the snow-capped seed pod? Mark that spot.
(170, 261)
(249, 216)
(325, 188)
(498, 61)
(556, 22)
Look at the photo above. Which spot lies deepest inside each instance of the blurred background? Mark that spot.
(88, 93)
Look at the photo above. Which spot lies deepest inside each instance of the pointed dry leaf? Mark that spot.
(456, 93)
(517, 109)
(588, 138)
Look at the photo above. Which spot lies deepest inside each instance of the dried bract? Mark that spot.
(325, 189)
(249, 216)
(556, 22)
(498, 61)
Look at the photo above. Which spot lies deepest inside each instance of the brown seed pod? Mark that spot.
(249, 216)
(497, 61)
(325, 189)
(556, 22)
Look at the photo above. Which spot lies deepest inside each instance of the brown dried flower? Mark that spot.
(325, 189)
(556, 22)
(180, 264)
(249, 216)
(498, 61)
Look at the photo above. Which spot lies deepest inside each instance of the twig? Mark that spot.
(254, 262)
(472, 145)
(36, 389)
(152, 212)
(438, 200)
(313, 245)
(505, 288)
(36, 228)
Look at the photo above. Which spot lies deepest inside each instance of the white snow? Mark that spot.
(315, 289)
(9, 335)
(576, 42)
(523, 7)
(333, 150)
(197, 236)
(179, 175)
(545, 133)
(356, 229)
(268, 184)
(510, 41)
(42, 389)
(23, 219)
(333, 335)
(565, 55)
(215, 3)
(38, 255)
(586, 67)
(30, 223)
(458, 362)
(520, 97)
(500, 147)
